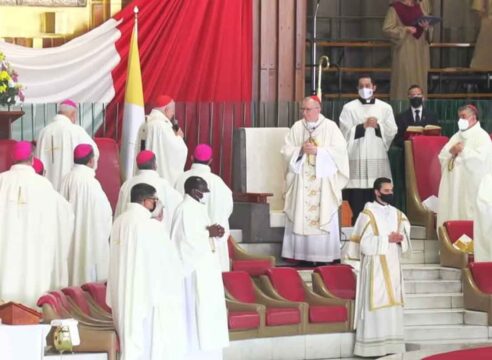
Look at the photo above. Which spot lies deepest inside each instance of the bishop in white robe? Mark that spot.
(29, 223)
(161, 135)
(315, 153)
(381, 235)
(369, 127)
(147, 174)
(56, 142)
(195, 236)
(145, 283)
(465, 160)
(89, 252)
(219, 204)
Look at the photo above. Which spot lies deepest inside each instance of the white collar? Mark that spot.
(202, 167)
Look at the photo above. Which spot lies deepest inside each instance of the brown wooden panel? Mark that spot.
(286, 49)
(27, 42)
(268, 34)
(97, 14)
(300, 52)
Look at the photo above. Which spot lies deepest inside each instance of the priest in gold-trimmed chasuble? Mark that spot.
(315, 153)
(381, 235)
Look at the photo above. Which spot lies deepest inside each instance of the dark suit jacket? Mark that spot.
(405, 119)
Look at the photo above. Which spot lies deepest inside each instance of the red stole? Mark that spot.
(409, 16)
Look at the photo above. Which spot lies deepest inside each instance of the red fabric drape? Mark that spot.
(195, 51)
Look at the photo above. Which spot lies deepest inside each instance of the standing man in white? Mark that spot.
(219, 204)
(88, 259)
(161, 135)
(315, 155)
(145, 283)
(369, 127)
(57, 141)
(196, 236)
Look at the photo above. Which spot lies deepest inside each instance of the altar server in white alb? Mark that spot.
(169, 198)
(369, 127)
(89, 252)
(465, 160)
(57, 141)
(219, 204)
(145, 283)
(29, 224)
(315, 154)
(196, 236)
(381, 235)
(161, 135)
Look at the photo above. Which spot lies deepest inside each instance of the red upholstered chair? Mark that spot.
(108, 168)
(481, 353)
(321, 314)
(92, 339)
(448, 233)
(279, 318)
(477, 287)
(79, 301)
(423, 175)
(5, 154)
(336, 282)
(97, 291)
(241, 260)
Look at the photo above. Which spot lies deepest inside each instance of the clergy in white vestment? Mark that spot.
(465, 160)
(89, 251)
(66, 223)
(195, 236)
(57, 141)
(369, 127)
(169, 197)
(315, 154)
(161, 135)
(482, 224)
(219, 203)
(145, 283)
(381, 234)
(29, 223)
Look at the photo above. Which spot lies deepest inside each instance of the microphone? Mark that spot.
(175, 124)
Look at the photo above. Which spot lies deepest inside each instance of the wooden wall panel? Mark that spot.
(300, 50)
(268, 50)
(286, 49)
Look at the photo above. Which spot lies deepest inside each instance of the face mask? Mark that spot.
(463, 124)
(387, 198)
(366, 93)
(157, 209)
(205, 198)
(416, 102)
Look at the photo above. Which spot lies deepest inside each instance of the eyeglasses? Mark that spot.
(308, 109)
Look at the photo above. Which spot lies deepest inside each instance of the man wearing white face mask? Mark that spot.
(465, 160)
(369, 127)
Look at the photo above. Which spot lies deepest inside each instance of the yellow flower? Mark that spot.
(3, 88)
(4, 75)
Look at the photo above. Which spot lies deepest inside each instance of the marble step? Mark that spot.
(476, 318)
(445, 332)
(447, 345)
(413, 317)
(237, 234)
(432, 286)
(429, 272)
(434, 301)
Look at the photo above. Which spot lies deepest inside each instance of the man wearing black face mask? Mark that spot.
(416, 115)
(381, 234)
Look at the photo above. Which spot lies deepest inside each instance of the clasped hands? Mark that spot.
(412, 29)
(215, 230)
(371, 122)
(309, 148)
(457, 148)
(395, 237)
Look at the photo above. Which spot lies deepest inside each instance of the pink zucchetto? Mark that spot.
(163, 100)
(81, 151)
(22, 151)
(203, 152)
(144, 156)
(69, 102)
(38, 166)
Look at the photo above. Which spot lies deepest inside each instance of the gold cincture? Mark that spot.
(451, 163)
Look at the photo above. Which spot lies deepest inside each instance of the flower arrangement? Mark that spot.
(10, 90)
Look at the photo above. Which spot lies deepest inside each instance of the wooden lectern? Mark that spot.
(6, 119)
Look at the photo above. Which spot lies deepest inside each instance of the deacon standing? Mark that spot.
(89, 254)
(220, 203)
(145, 283)
(57, 140)
(161, 135)
(465, 160)
(147, 174)
(381, 234)
(29, 222)
(196, 236)
(316, 156)
(369, 127)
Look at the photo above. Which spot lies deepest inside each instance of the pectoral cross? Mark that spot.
(52, 149)
(20, 200)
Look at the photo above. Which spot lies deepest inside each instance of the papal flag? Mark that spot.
(134, 113)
